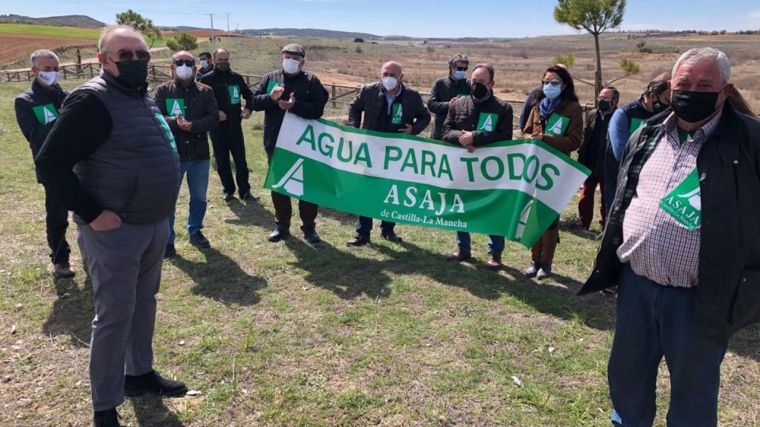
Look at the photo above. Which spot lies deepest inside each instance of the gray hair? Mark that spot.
(699, 54)
(108, 31)
(42, 53)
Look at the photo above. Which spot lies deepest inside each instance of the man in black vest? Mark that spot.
(230, 89)
(592, 152)
(386, 106)
(301, 93)
(446, 90)
(112, 159)
(190, 109)
(36, 111)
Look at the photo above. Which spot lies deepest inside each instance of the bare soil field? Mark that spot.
(15, 47)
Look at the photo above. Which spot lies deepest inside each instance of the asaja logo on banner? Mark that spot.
(292, 181)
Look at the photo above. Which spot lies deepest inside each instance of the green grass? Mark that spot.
(290, 334)
(50, 31)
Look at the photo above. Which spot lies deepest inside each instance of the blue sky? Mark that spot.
(424, 18)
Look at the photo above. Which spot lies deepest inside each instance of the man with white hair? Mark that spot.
(112, 158)
(386, 106)
(682, 246)
(36, 111)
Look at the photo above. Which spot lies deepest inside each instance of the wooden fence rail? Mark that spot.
(340, 95)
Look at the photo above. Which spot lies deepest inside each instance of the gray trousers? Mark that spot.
(125, 268)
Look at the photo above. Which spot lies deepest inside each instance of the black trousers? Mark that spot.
(56, 223)
(283, 209)
(228, 140)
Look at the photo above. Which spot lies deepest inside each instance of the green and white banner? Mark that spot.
(514, 189)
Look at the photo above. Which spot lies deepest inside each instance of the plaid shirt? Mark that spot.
(656, 245)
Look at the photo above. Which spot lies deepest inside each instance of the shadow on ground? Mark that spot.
(220, 278)
(72, 312)
(151, 411)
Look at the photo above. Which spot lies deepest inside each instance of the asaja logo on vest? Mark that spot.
(234, 92)
(486, 122)
(292, 181)
(45, 113)
(397, 114)
(175, 107)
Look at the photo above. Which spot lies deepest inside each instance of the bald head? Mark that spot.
(392, 67)
(119, 35)
(182, 54)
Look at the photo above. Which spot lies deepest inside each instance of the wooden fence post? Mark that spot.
(332, 95)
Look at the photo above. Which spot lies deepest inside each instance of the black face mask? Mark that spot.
(479, 91)
(693, 106)
(132, 74)
(605, 105)
(222, 66)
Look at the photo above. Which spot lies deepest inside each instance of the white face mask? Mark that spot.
(291, 66)
(390, 83)
(183, 72)
(48, 78)
(204, 63)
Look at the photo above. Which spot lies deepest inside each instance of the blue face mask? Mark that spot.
(458, 75)
(552, 91)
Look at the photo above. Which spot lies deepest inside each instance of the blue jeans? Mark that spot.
(364, 226)
(197, 184)
(655, 321)
(495, 244)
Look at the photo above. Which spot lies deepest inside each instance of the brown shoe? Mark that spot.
(494, 262)
(459, 256)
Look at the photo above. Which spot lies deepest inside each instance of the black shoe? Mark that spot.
(248, 197)
(152, 383)
(62, 270)
(170, 252)
(107, 418)
(311, 236)
(391, 237)
(199, 240)
(358, 240)
(460, 255)
(228, 197)
(278, 234)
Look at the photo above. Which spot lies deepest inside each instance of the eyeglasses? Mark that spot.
(181, 62)
(551, 82)
(128, 55)
(461, 68)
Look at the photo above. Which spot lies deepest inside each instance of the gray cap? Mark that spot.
(295, 49)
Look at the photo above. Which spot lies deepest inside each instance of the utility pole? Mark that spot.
(213, 38)
(228, 22)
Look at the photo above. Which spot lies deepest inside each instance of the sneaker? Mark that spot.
(358, 240)
(494, 262)
(278, 234)
(62, 270)
(391, 236)
(544, 272)
(107, 418)
(311, 236)
(460, 255)
(248, 197)
(533, 269)
(198, 240)
(228, 197)
(152, 382)
(170, 252)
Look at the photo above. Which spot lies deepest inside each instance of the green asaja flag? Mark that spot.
(513, 188)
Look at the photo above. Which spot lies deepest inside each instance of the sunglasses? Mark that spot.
(551, 82)
(128, 55)
(181, 62)
(461, 68)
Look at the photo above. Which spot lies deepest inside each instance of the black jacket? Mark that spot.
(34, 122)
(728, 293)
(200, 109)
(371, 102)
(223, 83)
(444, 90)
(465, 114)
(310, 96)
(592, 154)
